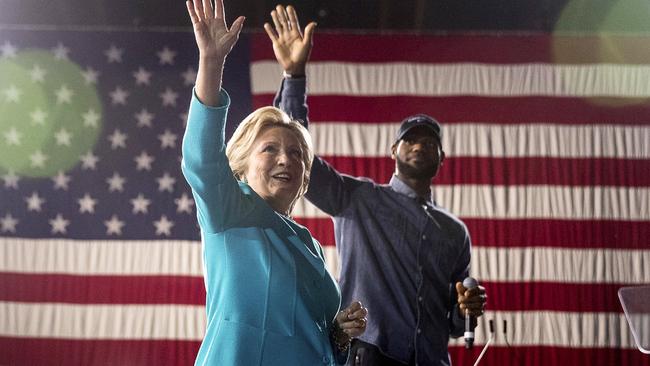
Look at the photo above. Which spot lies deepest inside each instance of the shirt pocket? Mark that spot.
(443, 255)
(389, 226)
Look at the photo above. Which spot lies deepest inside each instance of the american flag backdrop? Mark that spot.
(548, 145)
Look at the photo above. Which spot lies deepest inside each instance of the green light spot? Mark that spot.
(604, 16)
(41, 111)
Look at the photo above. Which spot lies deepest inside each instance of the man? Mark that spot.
(401, 255)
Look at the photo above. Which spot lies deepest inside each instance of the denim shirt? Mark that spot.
(400, 255)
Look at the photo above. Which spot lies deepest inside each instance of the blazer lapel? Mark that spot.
(285, 230)
(305, 245)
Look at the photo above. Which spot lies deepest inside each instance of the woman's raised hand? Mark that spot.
(214, 39)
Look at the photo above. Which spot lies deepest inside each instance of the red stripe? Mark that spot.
(531, 233)
(322, 229)
(548, 356)
(467, 48)
(551, 171)
(512, 171)
(539, 296)
(21, 351)
(22, 287)
(502, 296)
(502, 110)
(28, 351)
(559, 233)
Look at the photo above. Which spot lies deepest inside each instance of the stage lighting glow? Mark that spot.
(614, 33)
(50, 114)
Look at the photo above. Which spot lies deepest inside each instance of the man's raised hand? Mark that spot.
(291, 47)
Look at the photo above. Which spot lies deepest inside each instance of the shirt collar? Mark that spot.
(400, 187)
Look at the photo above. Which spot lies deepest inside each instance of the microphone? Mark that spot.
(469, 283)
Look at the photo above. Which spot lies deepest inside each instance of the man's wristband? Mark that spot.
(286, 75)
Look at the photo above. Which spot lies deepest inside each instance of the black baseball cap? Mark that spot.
(417, 121)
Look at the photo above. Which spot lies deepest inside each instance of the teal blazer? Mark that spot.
(269, 299)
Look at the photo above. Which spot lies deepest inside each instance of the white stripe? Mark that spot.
(400, 78)
(552, 328)
(553, 202)
(175, 322)
(491, 140)
(489, 264)
(582, 266)
(578, 266)
(332, 261)
(100, 257)
(531, 202)
(72, 321)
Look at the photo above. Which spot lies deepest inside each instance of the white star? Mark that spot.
(167, 139)
(63, 137)
(34, 202)
(90, 75)
(61, 181)
(38, 117)
(12, 94)
(143, 161)
(166, 183)
(115, 183)
(169, 98)
(87, 204)
(38, 159)
(119, 95)
(114, 54)
(37, 74)
(117, 139)
(90, 118)
(166, 56)
(184, 204)
(7, 50)
(142, 76)
(114, 226)
(12, 136)
(163, 226)
(140, 204)
(8, 224)
(189, 76)
(61, 52)
(64, 95)
(59, 224)
(10, 180)
(183, 117)
(144, 118)
(89, 161)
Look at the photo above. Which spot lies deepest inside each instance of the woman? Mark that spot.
(270, 300)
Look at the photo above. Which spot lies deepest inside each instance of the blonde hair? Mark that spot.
(241, 144)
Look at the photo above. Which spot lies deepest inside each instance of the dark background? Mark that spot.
(384, 15)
